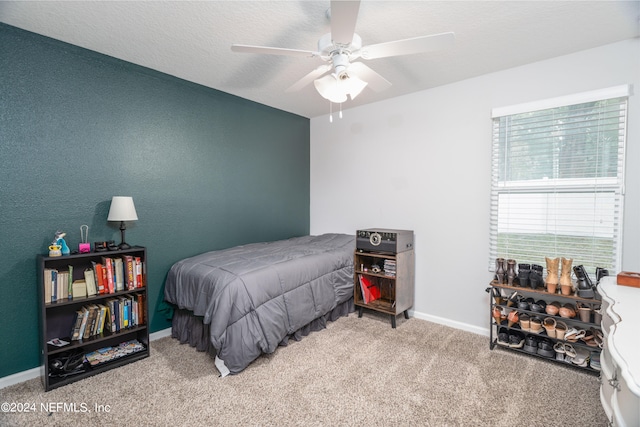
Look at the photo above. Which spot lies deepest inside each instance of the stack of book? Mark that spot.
(390, 267)
(115, 314)
(107, 354)
(110, 276)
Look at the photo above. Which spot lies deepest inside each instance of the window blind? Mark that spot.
(557, 185)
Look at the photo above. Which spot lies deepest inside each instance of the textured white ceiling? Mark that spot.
(192, 40)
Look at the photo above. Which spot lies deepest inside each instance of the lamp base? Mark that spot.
(123, 245)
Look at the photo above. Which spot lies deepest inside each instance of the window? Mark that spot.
(558, 180)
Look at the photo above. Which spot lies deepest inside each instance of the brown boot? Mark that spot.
(552, 274)
(566, 287)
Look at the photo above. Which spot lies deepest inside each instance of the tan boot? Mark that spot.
(552, 274)
(566, 287)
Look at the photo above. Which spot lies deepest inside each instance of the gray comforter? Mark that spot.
(253, 296)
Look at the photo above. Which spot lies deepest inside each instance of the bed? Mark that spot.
(245, 301)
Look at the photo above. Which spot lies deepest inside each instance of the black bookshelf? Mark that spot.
(58, 318)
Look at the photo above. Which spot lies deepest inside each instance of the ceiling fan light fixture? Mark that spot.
(336, 90)
(353, 86)
(329, 88)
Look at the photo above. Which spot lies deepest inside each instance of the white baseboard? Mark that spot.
(35, 372)
(452, 323)
(19, 377)
(160, 334)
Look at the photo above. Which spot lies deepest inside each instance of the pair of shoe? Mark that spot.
(593, 338)
(498, 314)
(552, 308)
(495, 293)
(585, 285)
(564, 351)
(540, 346)
(514, 299)
(554, 328)
(532, 305)
(576, 355)
(567, 311)
(581, 358)
(530, 275)
(573, 334)
(510, 339)
(530, 324)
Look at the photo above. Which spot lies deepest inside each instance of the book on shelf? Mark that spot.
(90, 280)
(118, 274)
(47, 285)
(108, 269)
(54, 286)
(370, 290)
(139, 268)
(83, 325)
(124, 313)
(103, 315)
(75, 331)
(79, 289)
(91, 320)
(70, 282)
(58, 285)
(98, 277)
(129, 267)
(110, 323)
(140, 317)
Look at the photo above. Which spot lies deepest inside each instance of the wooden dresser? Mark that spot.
(620, 359)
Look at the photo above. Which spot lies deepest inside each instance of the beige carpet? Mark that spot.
(356, 372)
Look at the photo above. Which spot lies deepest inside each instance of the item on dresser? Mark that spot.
(627, 278)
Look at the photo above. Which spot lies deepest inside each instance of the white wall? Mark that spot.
(422, 162)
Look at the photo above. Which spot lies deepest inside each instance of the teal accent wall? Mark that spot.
(207, 170)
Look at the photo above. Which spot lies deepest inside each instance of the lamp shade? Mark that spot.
(336, 90)
(328, 87)
(122, 209)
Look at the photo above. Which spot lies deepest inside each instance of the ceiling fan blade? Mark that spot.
(408, 46)
(374, 80)
(243, 48)
(309, 78)
(343, 20)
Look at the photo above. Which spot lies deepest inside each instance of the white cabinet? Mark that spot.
(620, 360)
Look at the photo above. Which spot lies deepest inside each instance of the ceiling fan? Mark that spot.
(342, 75)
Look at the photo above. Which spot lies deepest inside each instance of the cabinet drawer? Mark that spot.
(626, 406)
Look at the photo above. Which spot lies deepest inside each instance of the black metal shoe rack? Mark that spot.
(540, 294)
